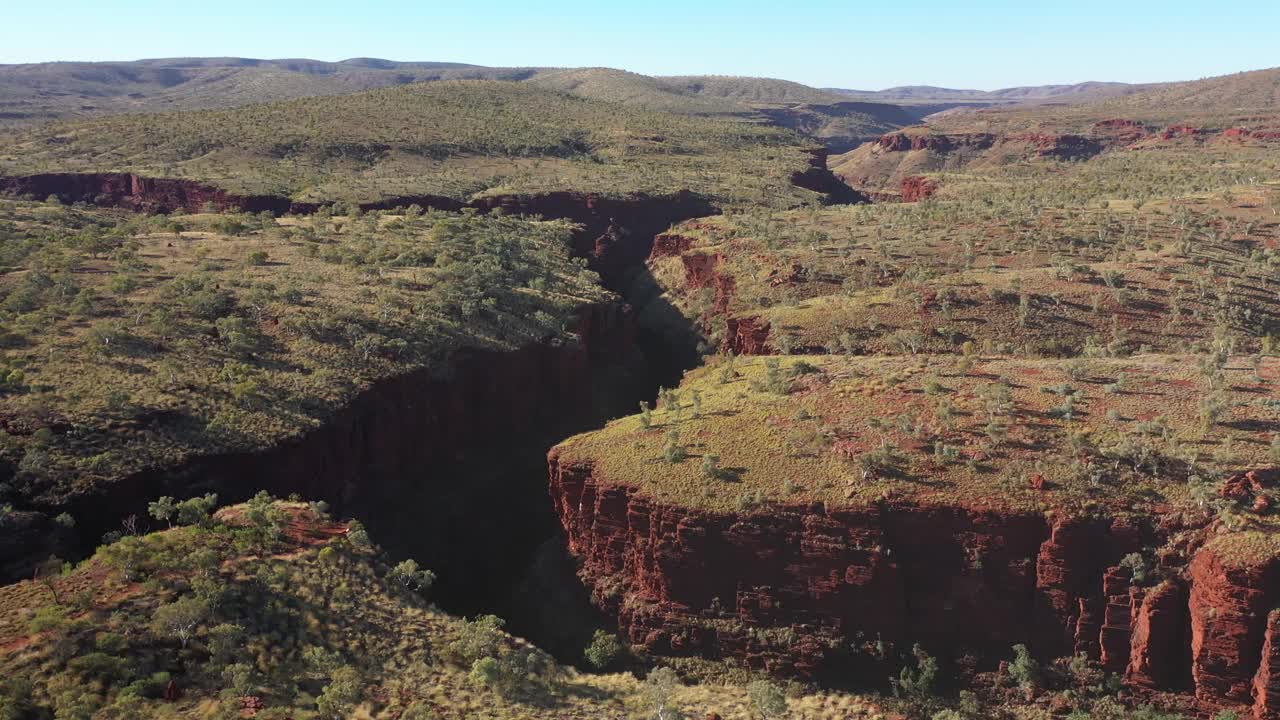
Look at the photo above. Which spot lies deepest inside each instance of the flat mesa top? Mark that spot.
(1144, 434)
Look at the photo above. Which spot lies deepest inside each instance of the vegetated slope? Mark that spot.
(158, 339)
(45, 91)
(751, 89)
(1241, 92)
(998, 270)
(839, 125)
(452, 139)
(274, 609)
(627, 88)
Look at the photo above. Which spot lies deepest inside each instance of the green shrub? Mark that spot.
(604, 650)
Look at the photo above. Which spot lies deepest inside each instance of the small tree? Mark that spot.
(918, 683)
(408, 574)
(659, 686)
(1024, 670)
(180, 618)
(196, 510)
(163, 509)
(604, 650)
(673, 451)
(767, 699)
(342, 694)
(47, 574)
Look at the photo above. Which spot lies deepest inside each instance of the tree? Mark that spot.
(1023, 669)
(767, 699)
(196, 510)
(342, 694)
(47, 574)
(163, 509)
(659, 686)
(180, 618)
(919, 682)
(410, 576)
(480, 638)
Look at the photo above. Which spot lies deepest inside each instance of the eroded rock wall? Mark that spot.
(791, 589)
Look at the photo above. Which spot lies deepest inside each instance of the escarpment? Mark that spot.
(814, 590)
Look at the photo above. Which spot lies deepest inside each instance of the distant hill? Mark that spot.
(1255, 90)
(1035, 93)
(635, 90)
(752, 89)
(39, 93)
(839, 124)
(1247, 99)
(46, 91)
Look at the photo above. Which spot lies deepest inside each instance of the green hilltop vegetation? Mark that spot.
(837, 122)
(274, 610)
(751, 89)
(458, 139)
(164, 337)
(988, 266)
(627, 88)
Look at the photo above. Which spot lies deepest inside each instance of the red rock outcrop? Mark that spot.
(1178, 131)
(1061, 147)
(937, 142)
(1158, 647)
(1228, 608)
(670, 245)
(1121, 600)
(1266, 684)
(747, 336)
(917, 187)
(1120, 130)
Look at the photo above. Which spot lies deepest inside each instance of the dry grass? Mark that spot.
(188, 343)
(823, 437)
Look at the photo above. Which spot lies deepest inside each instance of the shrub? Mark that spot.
(1024, 670)
(407, 574)
(604, 650)
(767, 699)
(257, 257)
(342, 694)
(673, 451)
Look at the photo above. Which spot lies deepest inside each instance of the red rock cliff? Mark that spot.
(786, 589)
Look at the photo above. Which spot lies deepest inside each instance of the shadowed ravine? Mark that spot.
(450, 467)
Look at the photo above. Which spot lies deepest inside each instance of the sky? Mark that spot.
(983, 44)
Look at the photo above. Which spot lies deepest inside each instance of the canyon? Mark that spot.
(806, 591)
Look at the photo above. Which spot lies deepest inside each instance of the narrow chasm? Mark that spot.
(449, 468)
(486, 526)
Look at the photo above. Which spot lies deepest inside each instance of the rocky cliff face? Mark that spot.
(791, 590)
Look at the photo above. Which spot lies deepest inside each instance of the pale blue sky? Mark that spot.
(983, 44)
